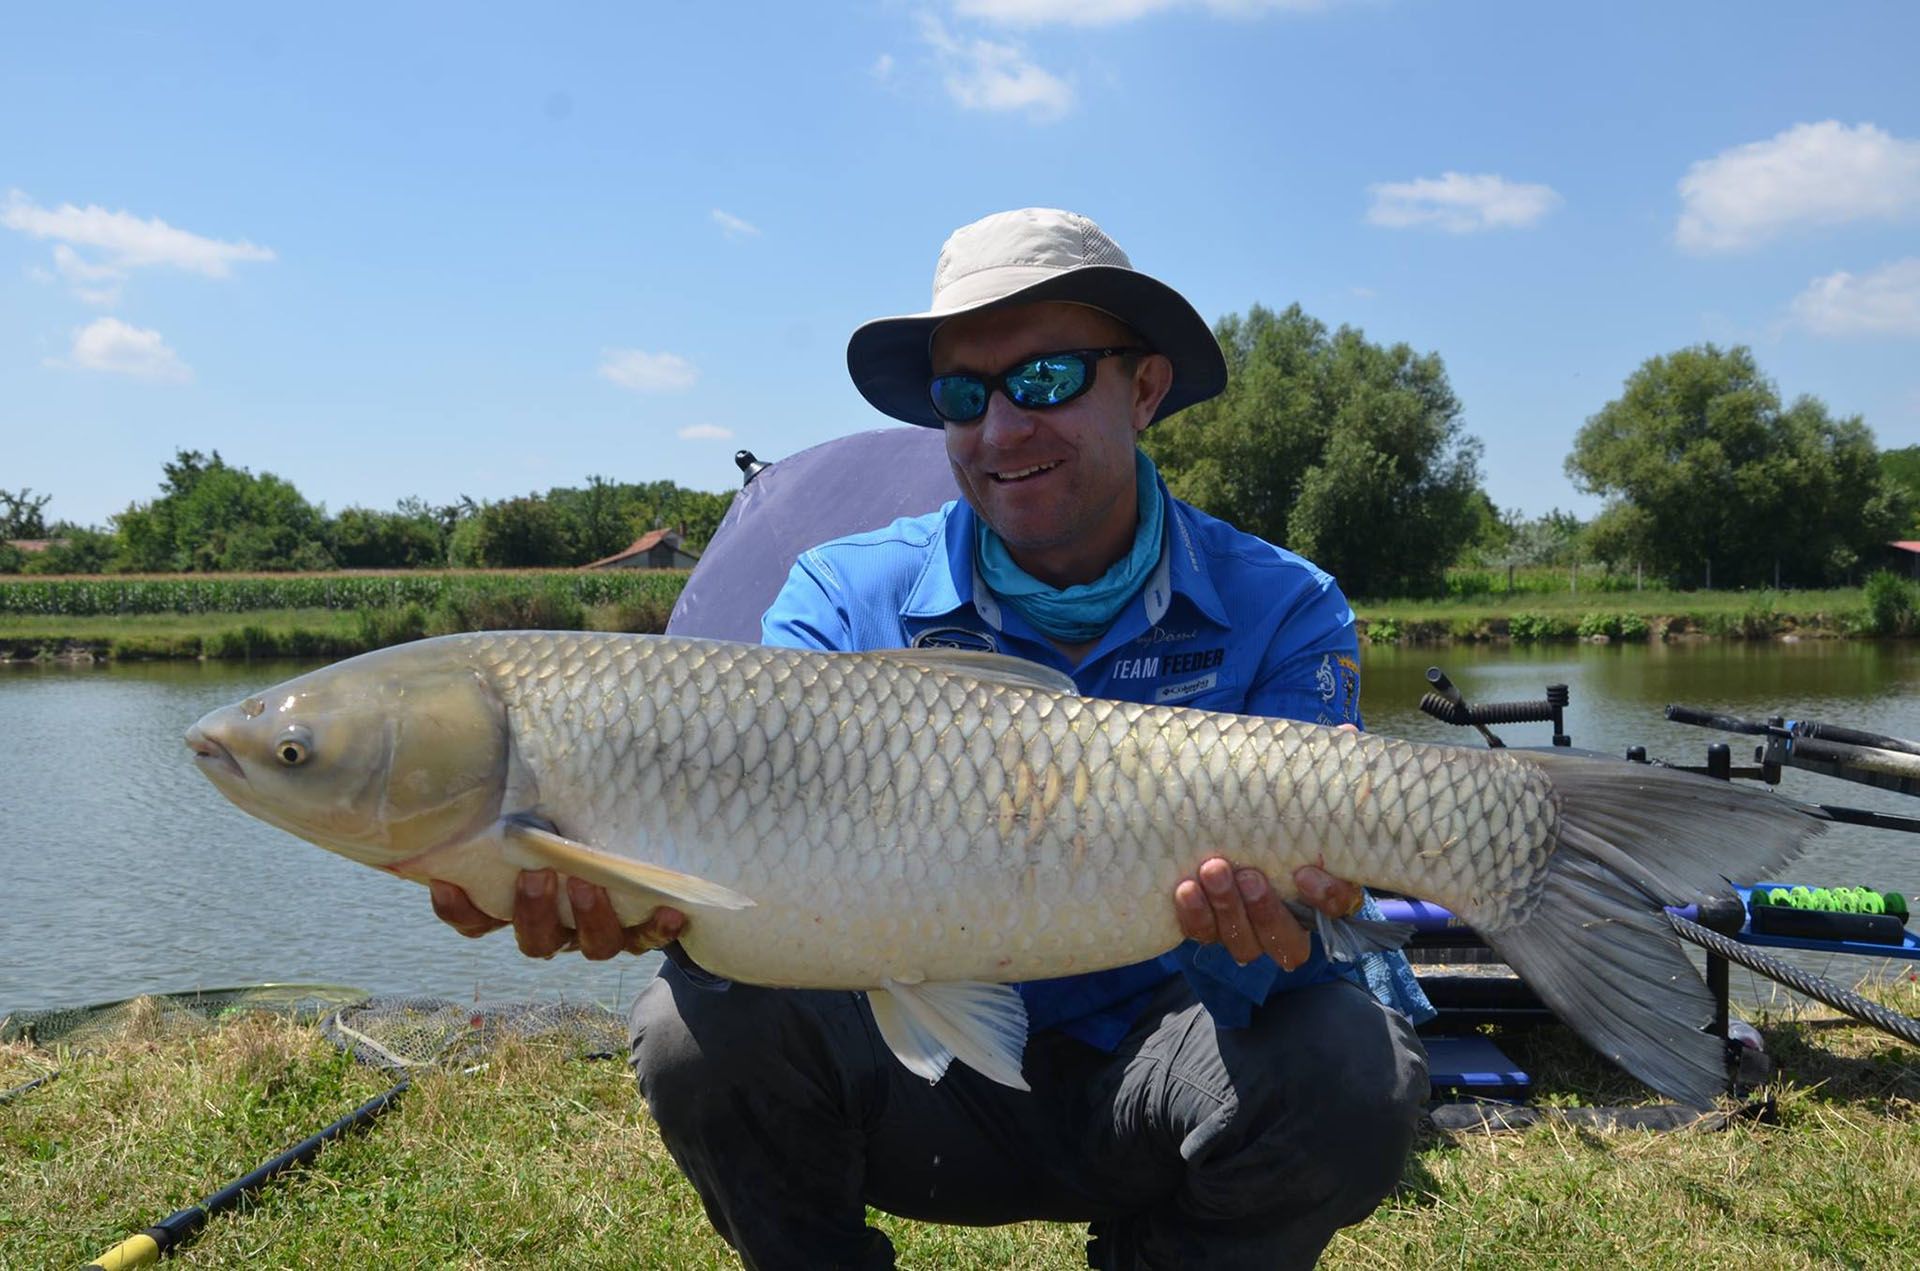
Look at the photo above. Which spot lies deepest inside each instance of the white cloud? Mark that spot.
(704, 432)
(883, 66)
(122, 242)
(1460, 203)
(108, 344)
(983, 75)
(1811, 174)
(645, 372)
(1110, 12)
(734, 226)
(1883, 302)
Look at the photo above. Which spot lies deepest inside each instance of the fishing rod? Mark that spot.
(148, 1246)
(1832, 750)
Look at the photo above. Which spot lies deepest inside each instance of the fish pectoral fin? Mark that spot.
(927, 1026)
(1348, 939)
(996, 668)
(544, 849)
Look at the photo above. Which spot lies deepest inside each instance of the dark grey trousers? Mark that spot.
(1189, 1146)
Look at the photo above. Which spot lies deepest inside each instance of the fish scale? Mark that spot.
(930, 825)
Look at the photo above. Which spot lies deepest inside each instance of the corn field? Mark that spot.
(248, 593)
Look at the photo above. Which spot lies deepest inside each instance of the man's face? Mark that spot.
(1057, 484)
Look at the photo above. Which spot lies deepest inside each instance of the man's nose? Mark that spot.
(1004, 423)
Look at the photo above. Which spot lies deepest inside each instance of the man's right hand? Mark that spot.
(537, 929)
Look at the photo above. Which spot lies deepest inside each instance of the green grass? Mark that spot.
(1632, 615)
(82, 596)
(543, 1161)
(317, 633)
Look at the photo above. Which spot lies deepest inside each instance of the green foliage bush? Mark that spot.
(1383, 631)
(1538, 628)
(379, 628)
(1893, 605)
(548, 607)
(1615, 626)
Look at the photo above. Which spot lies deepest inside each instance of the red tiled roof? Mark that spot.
(1906, 544)
(645, 543)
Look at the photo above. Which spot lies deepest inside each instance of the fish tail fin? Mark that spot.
(1597, 947)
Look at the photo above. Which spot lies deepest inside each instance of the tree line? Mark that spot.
(1353, 453)
(213, 517)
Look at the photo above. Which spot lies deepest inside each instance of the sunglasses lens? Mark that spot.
(1048, 381)
(959, 397)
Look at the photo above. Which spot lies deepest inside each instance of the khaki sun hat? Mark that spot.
(1036, 253)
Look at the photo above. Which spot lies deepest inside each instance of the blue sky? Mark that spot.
(443, 250)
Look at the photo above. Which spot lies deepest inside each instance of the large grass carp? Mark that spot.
(929, 825)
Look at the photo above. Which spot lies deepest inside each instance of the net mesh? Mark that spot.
(404, 1032)
(167, 1016)
(391, 1032)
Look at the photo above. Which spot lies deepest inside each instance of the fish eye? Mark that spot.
(293, 746)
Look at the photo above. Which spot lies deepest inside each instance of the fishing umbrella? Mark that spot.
(839, 487)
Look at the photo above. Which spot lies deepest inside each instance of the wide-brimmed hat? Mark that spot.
(1036, 253)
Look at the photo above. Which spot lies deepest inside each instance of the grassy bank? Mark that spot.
(318, 632)
(538, 1160)
(1547, 617)
(333, 615)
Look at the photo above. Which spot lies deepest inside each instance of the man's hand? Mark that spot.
(1237, 908)
(597, 932)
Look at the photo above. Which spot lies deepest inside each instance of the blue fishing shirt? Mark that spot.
(1225, 622)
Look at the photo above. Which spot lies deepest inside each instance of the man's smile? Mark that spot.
(1021, 474)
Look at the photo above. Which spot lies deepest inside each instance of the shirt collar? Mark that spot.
(949, 581)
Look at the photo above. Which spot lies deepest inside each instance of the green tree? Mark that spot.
(1349, 452)
(408, 538)
(522, 533)
(1711, 480)
(22, 515)
(1902, 467)
(73, 549)
(213, 516)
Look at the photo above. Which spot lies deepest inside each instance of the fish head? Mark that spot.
(379, 758)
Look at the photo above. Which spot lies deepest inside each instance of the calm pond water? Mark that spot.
(122, 871)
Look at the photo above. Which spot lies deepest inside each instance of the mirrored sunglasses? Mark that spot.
(1052, 379)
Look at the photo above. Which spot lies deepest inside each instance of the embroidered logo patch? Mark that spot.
(961, 638)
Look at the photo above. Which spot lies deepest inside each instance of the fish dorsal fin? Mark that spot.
(544, 849)
(995, 668)
(927, 1026)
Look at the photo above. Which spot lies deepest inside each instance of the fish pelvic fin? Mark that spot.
(1596, 945)
(1349, 939)
(540, 848)
(928, 1026)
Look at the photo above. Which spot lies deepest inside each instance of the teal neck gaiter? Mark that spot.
(1083, 611)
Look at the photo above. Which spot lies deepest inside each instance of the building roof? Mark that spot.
(1906, 544)
(33, 544)
(639, 547)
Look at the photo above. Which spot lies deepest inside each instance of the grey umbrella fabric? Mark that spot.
(840, 487)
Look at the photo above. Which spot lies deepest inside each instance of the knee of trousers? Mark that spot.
(692, 1048)
(1341, 1121)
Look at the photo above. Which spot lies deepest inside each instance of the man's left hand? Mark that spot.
(1237, 908)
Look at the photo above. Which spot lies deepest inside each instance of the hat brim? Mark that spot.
(889, 360)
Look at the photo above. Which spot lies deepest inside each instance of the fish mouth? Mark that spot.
(212, 755)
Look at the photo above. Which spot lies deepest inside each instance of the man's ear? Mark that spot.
(1152, 381)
